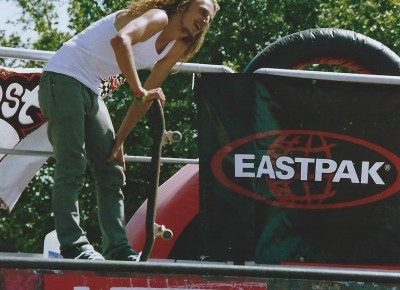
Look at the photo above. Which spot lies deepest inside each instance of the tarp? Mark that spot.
(297, 170)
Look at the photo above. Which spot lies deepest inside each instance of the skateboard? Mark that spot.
(161, 137)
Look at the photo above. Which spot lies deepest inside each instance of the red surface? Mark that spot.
(93, 281)
(177, 205)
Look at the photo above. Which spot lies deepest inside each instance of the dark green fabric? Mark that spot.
(276, 221)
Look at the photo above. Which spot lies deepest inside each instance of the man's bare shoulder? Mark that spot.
(157, 16)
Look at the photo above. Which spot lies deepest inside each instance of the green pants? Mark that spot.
(81, 132)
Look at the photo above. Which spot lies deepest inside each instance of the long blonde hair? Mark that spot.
(138, 7)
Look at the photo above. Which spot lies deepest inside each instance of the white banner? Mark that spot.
(22, 127)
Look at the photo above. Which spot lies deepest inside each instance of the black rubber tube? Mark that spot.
(328, 46)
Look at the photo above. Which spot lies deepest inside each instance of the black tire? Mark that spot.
(333, 46)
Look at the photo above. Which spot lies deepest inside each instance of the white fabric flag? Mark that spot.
(16, 171)
(22, 127)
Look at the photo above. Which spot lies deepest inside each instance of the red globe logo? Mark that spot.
(294, 192)
(307, 169)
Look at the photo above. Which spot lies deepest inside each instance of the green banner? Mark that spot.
(297, 170)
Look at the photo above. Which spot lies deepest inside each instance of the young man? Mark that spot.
(148, 32)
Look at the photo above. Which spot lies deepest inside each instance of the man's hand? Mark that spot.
(117, 153)
(156, 94)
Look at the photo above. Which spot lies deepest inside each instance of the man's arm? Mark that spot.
(137, 110)
(131, 31)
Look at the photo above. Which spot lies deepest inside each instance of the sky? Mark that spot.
(11, 9)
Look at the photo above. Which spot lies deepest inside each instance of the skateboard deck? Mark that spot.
(160, 137)
(158, 134)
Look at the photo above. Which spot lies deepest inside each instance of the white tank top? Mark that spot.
(89, 57)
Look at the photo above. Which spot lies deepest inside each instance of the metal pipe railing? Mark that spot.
(24, 53)
(207, 269)
(42, 55)
(128, 158)
(331, 76)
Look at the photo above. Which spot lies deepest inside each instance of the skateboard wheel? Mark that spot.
(167, 234)
(176, 136)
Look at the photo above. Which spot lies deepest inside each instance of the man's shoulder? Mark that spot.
(154, 17)
(153, 14)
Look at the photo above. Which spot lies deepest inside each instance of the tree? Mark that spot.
(241, 29)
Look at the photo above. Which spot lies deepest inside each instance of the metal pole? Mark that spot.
(128, 158)
(345, 77)
(42, 55)
(207, 269)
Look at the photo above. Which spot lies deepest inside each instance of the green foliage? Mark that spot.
(24, 229)
(378, 19)
(240, 30)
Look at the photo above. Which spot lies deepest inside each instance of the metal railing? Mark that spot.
(42, 55)
(331, 76)
(212, 270)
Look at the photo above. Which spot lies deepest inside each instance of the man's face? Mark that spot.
(197, 17)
